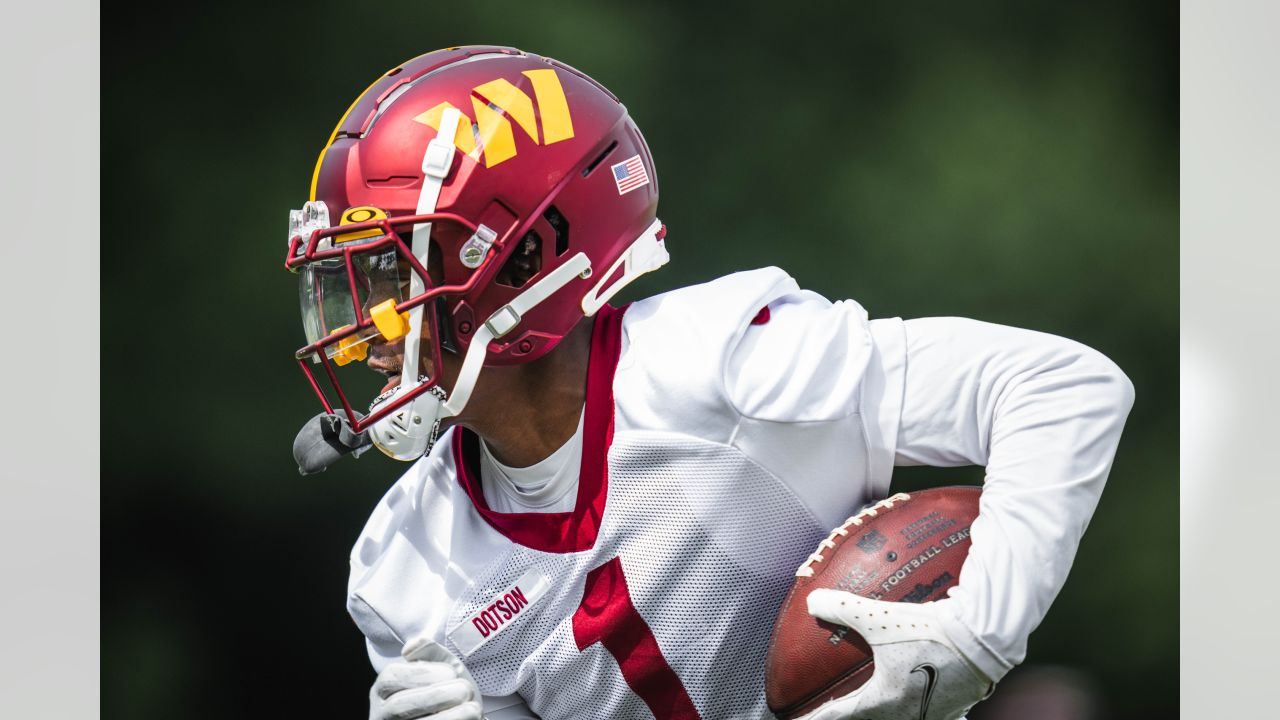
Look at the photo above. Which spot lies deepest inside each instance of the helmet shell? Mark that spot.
(538, 141)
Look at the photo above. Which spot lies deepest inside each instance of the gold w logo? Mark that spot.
(490, 133)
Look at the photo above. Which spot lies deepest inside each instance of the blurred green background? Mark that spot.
(1007, 161)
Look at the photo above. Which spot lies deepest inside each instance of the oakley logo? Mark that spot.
(495, 104)
(358, 215)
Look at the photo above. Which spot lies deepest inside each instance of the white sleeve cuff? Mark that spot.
(971, 646)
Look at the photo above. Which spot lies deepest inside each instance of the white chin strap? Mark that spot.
(409, 432)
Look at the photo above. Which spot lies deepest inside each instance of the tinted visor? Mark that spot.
(330, 295)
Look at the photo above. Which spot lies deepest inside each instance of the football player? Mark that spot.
(606, 505)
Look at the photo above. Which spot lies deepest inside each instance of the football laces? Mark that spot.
(829, 542)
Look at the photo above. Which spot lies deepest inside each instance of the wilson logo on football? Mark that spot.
(489, 133)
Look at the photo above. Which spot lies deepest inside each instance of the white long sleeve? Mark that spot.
(1044, 415)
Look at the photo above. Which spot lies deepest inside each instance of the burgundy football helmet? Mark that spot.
(450, 165)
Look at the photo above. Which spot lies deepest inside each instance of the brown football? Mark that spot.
(906, 548)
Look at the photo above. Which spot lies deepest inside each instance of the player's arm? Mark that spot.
(416, 679)
(424, 680)
(1044, 415)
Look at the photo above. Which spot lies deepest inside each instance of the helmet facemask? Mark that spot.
(361, 285)
(404, 418)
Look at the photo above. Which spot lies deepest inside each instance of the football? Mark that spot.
(905, 548)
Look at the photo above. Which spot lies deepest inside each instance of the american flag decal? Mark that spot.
(629, 175)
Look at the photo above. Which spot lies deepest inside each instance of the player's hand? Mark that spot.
(919, 674)
(431, 683)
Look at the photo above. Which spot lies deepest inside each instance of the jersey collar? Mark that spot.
(573, 531)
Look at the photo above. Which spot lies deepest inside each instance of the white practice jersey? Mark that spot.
(727, 427)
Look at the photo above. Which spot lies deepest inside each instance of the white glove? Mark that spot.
(919, 674)
(433, 683)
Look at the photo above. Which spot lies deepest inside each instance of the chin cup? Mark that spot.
(408, 433)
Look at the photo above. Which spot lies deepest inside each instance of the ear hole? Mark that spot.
(561, 226)
(599, 159)
(523, 264)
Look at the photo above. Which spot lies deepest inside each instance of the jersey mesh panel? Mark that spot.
(709, 542)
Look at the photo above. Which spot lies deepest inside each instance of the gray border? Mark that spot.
(49, 525)
(1230, 292)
